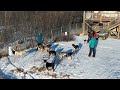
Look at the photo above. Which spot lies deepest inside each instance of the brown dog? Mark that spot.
(69, 55)
(60, 56)
(18, 53)
(45, 48)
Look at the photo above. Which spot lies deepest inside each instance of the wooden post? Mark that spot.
(5, 17)
(70, 27)
(61, 29)
(100, 17)
(118, 26)
(86, 29)
(92, 14)
(117, 14)
(76, 26)
(118, 32)
(52, 34)
(108, 25)
(83, 27)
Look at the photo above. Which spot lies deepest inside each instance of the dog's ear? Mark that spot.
(47, 50)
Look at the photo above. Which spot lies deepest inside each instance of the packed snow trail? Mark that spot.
(105, 65)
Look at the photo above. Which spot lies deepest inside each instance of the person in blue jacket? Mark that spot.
(92, 46)
(39, 40)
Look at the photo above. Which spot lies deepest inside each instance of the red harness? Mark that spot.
(95, 35)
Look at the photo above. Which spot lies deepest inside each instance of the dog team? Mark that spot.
(46, 47)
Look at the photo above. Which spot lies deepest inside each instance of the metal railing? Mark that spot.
(113, 23)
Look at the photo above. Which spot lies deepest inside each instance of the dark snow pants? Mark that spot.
(92, 50)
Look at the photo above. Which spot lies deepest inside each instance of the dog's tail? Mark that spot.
(25, 52)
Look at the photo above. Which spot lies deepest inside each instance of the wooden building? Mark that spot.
(103, 21)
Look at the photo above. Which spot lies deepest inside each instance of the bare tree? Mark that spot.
(21, 24)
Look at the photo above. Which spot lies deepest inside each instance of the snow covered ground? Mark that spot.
(106, 64)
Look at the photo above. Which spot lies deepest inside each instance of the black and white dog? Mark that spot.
(49, 65)
(52, 52)
(76, 47)
(69, 55)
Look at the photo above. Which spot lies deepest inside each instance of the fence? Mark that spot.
(29, 34)
(69, 28)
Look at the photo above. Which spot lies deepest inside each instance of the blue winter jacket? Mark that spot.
(92, 43)
(39, 39)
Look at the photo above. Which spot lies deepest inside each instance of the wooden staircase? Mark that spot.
(113, 24)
